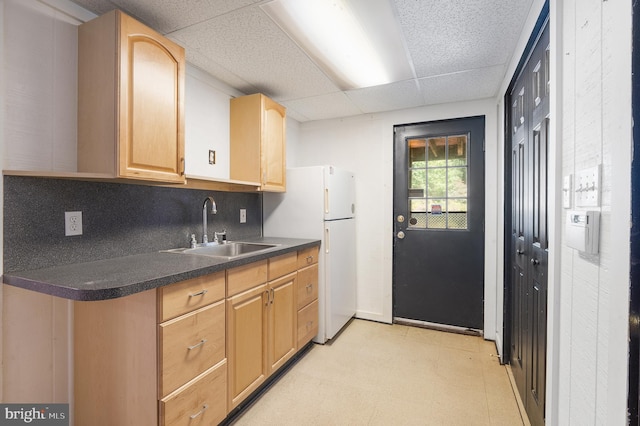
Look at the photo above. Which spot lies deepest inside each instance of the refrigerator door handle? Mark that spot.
(327, 241)
(326, 201)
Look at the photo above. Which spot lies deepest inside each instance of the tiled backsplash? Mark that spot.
(117, 220)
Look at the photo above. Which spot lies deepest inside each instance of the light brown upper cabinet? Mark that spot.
(130, 101)
(258, 146)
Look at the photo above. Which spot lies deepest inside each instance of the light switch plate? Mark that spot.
(243, 215)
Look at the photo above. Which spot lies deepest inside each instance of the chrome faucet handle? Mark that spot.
(220, 237)
(194, 243)
(205, 239)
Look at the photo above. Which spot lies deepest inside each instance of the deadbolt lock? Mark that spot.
(400, 235)
(400, 218)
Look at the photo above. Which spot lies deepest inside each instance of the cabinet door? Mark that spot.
(273, 147)
(246, 342)
(151, 104)
(282, 320)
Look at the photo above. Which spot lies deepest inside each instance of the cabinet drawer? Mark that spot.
(307, 257)
(189, 345)
(307, 323)
(307, 284)
(186, 296)
(282, 265)
(201, 402)
(245, 277)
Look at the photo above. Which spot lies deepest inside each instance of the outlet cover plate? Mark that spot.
(72, 223)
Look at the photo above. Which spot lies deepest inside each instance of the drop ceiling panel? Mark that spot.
(170, 15)
(404, 94)
(466, 85)
(213, 68)
(331, 105)
(248, 44)
(97, 6)
(462, 46)
(445, 36)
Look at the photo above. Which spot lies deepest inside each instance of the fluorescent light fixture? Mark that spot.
(332, 34)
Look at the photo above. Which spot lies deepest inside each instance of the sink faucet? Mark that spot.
(205, 238)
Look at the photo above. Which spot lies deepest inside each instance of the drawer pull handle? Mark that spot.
(309, 287)
(309, 325)
(309, 259)
(202, 342)
(204, 407)
(200, 293)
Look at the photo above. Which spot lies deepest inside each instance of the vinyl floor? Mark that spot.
(381, 374)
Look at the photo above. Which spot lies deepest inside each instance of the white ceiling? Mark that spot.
(459, 50)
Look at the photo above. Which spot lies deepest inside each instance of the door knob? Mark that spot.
(400, 218)
(535, 262)
(519, 252)
(400, 235)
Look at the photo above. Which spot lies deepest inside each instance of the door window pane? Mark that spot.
(457, 217)
(438, 187)
(418, 179)
(457, 151)
(437, 183)
(436, 153)
(417, 155)
(457, 182)
(437, 209)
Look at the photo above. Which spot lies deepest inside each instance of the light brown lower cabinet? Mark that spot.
(189, 353)
(148, 358)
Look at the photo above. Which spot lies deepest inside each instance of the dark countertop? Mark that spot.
(118, 277)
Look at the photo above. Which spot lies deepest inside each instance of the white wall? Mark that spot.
(38, 116)
(594, 290)
(40, 87)
(364, 144)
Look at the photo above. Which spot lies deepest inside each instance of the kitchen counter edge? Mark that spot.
(123, 276)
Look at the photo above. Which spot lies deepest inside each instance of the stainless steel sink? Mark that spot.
(230, 250)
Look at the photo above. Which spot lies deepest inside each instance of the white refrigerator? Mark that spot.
(320, 204)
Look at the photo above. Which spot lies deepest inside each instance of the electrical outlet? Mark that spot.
(243, 215)
(72, 223)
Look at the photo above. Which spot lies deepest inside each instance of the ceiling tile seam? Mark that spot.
(405, 45)
(239, 9)
(465, 71)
